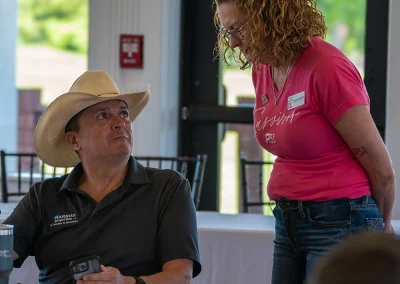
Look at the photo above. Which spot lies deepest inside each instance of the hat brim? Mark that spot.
(50, 143)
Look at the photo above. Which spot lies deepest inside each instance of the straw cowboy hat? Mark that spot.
(89, 89)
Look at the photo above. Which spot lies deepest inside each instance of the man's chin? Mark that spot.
(125, 152)
(120, 156)
(122, 152)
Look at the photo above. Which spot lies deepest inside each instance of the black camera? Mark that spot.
(83, 266)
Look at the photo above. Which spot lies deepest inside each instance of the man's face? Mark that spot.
(104, 131)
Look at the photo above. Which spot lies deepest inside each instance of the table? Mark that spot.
(233, 249)
(5, 210)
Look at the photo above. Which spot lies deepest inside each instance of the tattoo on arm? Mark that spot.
(359, 151)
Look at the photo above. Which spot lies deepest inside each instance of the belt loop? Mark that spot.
(301, 209)
(365, 201)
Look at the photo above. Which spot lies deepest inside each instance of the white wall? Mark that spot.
(155, 130)
(8, 94)
(393, 97)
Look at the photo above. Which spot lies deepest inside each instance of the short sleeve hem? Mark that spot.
(342, 109)
(196, 263)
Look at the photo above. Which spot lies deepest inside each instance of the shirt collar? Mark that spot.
(136, 174)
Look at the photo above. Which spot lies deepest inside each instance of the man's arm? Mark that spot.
(177, 244)
(177, 271)
(25, 220)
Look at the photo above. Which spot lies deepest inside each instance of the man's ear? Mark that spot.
(71, 140)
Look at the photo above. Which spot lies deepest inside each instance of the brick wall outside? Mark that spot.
(30, 110)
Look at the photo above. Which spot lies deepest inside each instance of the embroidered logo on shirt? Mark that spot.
(270, 138)
(276, 120)
(64, 219)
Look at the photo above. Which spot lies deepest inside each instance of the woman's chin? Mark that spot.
(247, 55)
(248, 58)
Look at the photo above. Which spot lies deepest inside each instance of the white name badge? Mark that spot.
(296, 100)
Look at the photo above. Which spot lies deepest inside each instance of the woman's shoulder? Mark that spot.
(321, 50)
(322, 56)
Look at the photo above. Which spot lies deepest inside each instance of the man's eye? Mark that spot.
(102, 116)
(124, 114)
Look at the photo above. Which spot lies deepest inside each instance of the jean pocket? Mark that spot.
(324, 218)
(374, 224)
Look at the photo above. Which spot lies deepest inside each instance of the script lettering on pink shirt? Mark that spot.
(281, 119)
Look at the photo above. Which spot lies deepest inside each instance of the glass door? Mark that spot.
(217, 101)
(346, 30)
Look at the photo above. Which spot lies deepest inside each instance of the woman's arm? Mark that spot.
(359, 131)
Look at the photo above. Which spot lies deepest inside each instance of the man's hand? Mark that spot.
(107, 275)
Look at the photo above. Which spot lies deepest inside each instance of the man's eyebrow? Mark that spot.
(101, 109)
(124, 107)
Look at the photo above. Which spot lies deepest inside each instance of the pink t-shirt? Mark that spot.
(313, 161)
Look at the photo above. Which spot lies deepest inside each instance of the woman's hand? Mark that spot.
(388, 228)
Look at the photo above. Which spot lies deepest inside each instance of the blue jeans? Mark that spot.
(305, 230)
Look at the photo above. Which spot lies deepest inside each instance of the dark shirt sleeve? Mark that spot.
(25, 220)
(177, 234)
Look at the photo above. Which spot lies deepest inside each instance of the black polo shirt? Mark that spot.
(149, 220)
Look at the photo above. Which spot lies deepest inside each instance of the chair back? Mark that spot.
(190, 167)
(25, 169)
(29, 169)
(253, 180)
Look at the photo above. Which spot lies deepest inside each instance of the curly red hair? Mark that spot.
(279, 29)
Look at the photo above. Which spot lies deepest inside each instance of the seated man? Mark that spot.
(141, 222)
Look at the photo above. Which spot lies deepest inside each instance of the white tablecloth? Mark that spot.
(5, 210)
(233, 249)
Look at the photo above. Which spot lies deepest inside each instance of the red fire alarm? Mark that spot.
(131, 51)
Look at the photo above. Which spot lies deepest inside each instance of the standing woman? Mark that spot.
(333, 175)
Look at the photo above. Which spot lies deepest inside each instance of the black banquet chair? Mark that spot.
(26, 169)
(253, 168)
(192, 168)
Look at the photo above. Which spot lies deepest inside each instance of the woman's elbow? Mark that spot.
(387, 177)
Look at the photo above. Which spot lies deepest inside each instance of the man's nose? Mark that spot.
(118, 122)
